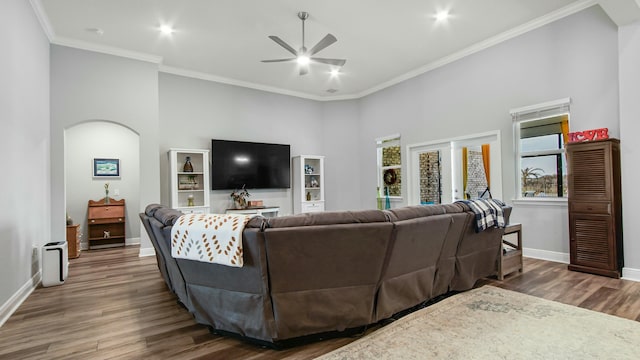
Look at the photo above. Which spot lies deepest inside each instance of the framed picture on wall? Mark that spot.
(106, 167)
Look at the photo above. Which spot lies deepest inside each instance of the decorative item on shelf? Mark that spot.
(190, 200)
(314, 182)
(106, 234)
(69, 220)
(308, 169)
(589, 135)
(240, 198)
(256, 203)
(188, 182)
(193, 181)
(106, 193)
(379, 198)
(308, 196)
(188, 167)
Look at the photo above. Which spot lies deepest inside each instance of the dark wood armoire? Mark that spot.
(595, 207)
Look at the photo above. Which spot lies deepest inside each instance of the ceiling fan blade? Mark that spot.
(278, 60)
(336, 62)
(284, 44)
(304, 69)
(326, 41)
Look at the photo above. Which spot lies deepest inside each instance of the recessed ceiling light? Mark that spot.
(166, 29)
(96, 31)
(442, 15)
(334, 72)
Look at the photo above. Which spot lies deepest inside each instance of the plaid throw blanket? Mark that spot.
(488, 212)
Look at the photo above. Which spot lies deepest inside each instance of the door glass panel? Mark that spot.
(430, 190)
(476, 177)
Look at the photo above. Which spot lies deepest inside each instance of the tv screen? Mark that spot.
(254, 165)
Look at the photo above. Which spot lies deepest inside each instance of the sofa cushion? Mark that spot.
(257, 222)
(151, 209)
(167, 216)
(416, 211)
(328, 218)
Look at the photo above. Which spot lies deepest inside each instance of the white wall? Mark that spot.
(574, 57)
(91, 86)
(192, 112)
(341, 147)
(24, 142)
(101, 139)
(629, 43)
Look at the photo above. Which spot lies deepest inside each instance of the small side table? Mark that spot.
(511, 255)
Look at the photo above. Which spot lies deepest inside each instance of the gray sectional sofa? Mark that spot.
(325, 272)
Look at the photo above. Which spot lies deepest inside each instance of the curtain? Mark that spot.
(565, 128)
(486, 162)
(464, 172)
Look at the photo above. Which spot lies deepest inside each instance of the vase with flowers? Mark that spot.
(240, 198)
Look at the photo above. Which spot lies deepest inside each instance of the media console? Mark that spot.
(264, 211)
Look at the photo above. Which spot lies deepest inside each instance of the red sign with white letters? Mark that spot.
(589, 135)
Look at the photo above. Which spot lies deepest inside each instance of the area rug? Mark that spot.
(493, 323)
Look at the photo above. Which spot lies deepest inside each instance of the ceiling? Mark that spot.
(384, 42)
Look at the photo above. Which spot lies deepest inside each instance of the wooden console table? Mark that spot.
(105, 223)
(73, 241)
(511, 254)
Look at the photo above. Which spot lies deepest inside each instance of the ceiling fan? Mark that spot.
(304, 56)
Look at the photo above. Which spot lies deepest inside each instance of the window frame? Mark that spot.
(533, 113)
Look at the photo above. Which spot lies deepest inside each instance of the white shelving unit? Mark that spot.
(190, 184)
(308, 183)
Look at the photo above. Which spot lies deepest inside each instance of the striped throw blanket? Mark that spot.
(213, 238)
(488, 213)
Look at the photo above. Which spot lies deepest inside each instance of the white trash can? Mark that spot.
(55, 263)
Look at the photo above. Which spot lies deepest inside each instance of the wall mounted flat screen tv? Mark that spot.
(254, 165)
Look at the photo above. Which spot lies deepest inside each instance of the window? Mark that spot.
(389, 167)
(541, 132)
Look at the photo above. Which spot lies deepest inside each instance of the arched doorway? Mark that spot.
(102, 139)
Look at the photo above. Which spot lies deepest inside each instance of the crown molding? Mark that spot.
(229, 81)
(529, 26)
(104, 49)
(507, 35)
(621, 12)
(43, 19)
(41, 14)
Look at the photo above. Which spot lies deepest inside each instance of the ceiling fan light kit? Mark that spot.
(303, 56)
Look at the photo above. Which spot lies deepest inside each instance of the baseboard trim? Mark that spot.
(631, 274)
(146, 252)
(546, 255)
(132, 241)
(627, 273)
(10, 306)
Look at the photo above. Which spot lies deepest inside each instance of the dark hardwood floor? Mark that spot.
(115, 305)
